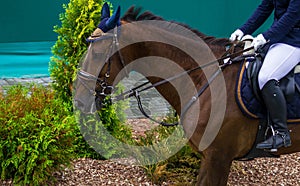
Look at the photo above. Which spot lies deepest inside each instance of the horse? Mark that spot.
(213, 123)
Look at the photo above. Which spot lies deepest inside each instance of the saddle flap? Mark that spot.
(287, 85)
(253, 68)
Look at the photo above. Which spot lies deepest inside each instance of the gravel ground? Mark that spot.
(282, 171)
(109, 172)
(264, 171)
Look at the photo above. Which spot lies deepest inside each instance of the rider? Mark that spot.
(282, 56)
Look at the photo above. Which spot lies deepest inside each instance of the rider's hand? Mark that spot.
(258, 42)
(236, 35)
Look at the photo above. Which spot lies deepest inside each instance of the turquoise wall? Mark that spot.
(26, 36)
(33, 20)
(215, 17)
(26, 33)
(29, 20)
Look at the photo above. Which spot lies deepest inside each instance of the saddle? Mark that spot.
(250, 102)
(248, 95)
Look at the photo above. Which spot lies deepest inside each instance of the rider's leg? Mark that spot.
(276, 105)
(280, 60)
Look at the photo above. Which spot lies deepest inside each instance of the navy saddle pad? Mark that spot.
(252, 108)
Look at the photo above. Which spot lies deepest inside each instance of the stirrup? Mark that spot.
(271, 150)
(270, 131)
(273, 145)
(274, 133)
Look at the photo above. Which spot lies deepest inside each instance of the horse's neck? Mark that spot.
(164, 62)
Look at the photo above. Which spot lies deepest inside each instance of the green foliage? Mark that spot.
(113, 124)
(103, 131)
(171, 117)
(39, 135)
(103, 135)
(36, 135)
(77, 23)
(181, 168)
(93, 136)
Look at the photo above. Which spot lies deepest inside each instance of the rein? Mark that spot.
(135, 92)
(131, 93)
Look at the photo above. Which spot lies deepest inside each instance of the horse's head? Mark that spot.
(147, 44)
(93, 83)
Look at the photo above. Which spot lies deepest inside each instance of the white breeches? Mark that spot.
(279, 61)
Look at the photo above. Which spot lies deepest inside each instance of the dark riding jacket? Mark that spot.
(286, 25)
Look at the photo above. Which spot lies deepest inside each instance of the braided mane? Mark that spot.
(136, 14)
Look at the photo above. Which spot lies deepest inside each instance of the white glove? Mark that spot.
(236, 35)
(258, 41)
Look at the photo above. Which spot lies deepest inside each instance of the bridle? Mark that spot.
(106, 89)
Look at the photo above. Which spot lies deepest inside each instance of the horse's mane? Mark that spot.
(135, 14)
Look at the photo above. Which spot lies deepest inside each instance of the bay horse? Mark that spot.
(221, 133)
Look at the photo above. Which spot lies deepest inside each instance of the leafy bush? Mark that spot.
(94, 139)
(181, 168)
(36, 134)
(104, 136)
(104, 131)
(77, 23)
(39, 135)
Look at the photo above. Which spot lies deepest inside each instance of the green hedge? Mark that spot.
(36, 135)
(39, 135)
(103, 130)
(77, 22)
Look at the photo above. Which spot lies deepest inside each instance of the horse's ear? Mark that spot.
(109, 23)
(114, 20)
(105, 13)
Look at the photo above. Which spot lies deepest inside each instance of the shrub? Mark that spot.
(39, 135)
(36, 135)
(104, 131)
(77, 23)
(181, 168)
(99, 138)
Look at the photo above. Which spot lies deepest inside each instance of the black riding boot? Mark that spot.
(276, 105)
